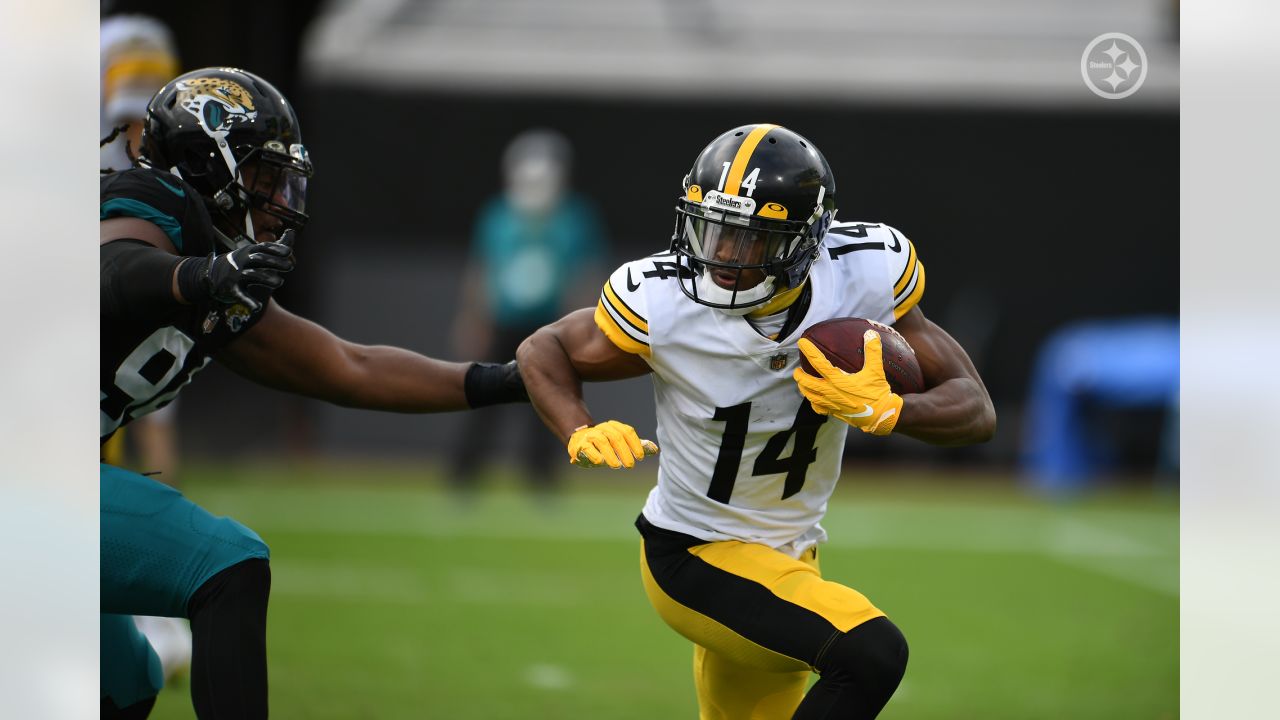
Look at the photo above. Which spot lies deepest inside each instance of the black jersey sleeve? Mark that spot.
(137, 280)
(164, 200)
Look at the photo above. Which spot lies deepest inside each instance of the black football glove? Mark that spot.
(225, 279)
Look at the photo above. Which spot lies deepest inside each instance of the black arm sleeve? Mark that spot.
(137, 280)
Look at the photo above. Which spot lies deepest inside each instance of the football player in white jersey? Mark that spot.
(751, 445)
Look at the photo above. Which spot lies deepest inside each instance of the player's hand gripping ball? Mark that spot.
(610, 443)
(846, 372)
(841, 342)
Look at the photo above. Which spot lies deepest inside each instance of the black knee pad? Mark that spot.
(873, 653)
(245, 581)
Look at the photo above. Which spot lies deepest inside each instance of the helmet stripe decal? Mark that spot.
(733, 182)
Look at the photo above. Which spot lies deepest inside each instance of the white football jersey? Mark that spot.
(744, 456)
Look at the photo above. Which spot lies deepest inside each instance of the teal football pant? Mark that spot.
(130, 669)
(157, 549)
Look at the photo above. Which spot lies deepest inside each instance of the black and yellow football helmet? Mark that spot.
(235, 138)
(755, 208)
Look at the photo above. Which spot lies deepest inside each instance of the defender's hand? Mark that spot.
(610, 443)
(225, 279)
(862, 399)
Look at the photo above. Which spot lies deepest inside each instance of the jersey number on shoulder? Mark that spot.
(770, 461)
(856, 229)
(161, 356)
(663, 269)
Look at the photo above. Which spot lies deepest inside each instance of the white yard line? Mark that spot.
(1083, 544)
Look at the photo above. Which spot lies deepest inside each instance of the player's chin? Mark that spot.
(271, 235)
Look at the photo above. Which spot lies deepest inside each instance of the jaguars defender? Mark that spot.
(752, 444)
(193, 242)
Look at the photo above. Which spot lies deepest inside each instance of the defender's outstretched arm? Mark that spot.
(293, 354)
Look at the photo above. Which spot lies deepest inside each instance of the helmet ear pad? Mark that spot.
(207, 174)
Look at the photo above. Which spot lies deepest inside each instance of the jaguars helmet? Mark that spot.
(759, 198)
(235, 139)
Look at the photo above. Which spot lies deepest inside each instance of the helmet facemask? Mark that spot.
(270, 180)
(740, 262)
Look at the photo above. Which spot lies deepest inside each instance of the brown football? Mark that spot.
(840, 340)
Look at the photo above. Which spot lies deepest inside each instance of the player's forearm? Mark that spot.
(554, 387)
(955, 412)
(380, 377)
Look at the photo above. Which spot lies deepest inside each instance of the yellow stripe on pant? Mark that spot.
(798, 582)
(709, 632)
(784, 602)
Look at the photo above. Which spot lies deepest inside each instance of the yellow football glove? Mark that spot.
(862, 399)
(610, 443)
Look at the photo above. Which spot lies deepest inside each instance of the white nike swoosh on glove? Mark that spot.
(865, 412)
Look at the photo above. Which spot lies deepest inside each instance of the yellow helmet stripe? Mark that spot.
(733, 182)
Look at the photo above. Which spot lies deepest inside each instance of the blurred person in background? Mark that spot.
(137, 57)
(535, 250)
(194, 240)
(751, 443)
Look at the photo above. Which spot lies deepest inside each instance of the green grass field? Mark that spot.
(392, 600)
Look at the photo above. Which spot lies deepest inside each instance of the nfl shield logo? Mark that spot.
(778, 362)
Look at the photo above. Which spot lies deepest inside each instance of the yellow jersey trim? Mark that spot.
(913, 298)
(616, 334)
(779, 302)
(622, 309)
(907, 271)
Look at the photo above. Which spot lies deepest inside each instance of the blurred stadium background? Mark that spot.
(1038, 208)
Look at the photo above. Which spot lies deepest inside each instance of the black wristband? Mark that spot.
(191, 279)
(494, 383)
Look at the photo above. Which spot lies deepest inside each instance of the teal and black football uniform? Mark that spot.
(150, 350)
(157, 547)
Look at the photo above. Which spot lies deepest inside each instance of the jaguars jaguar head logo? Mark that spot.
(217, 103)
